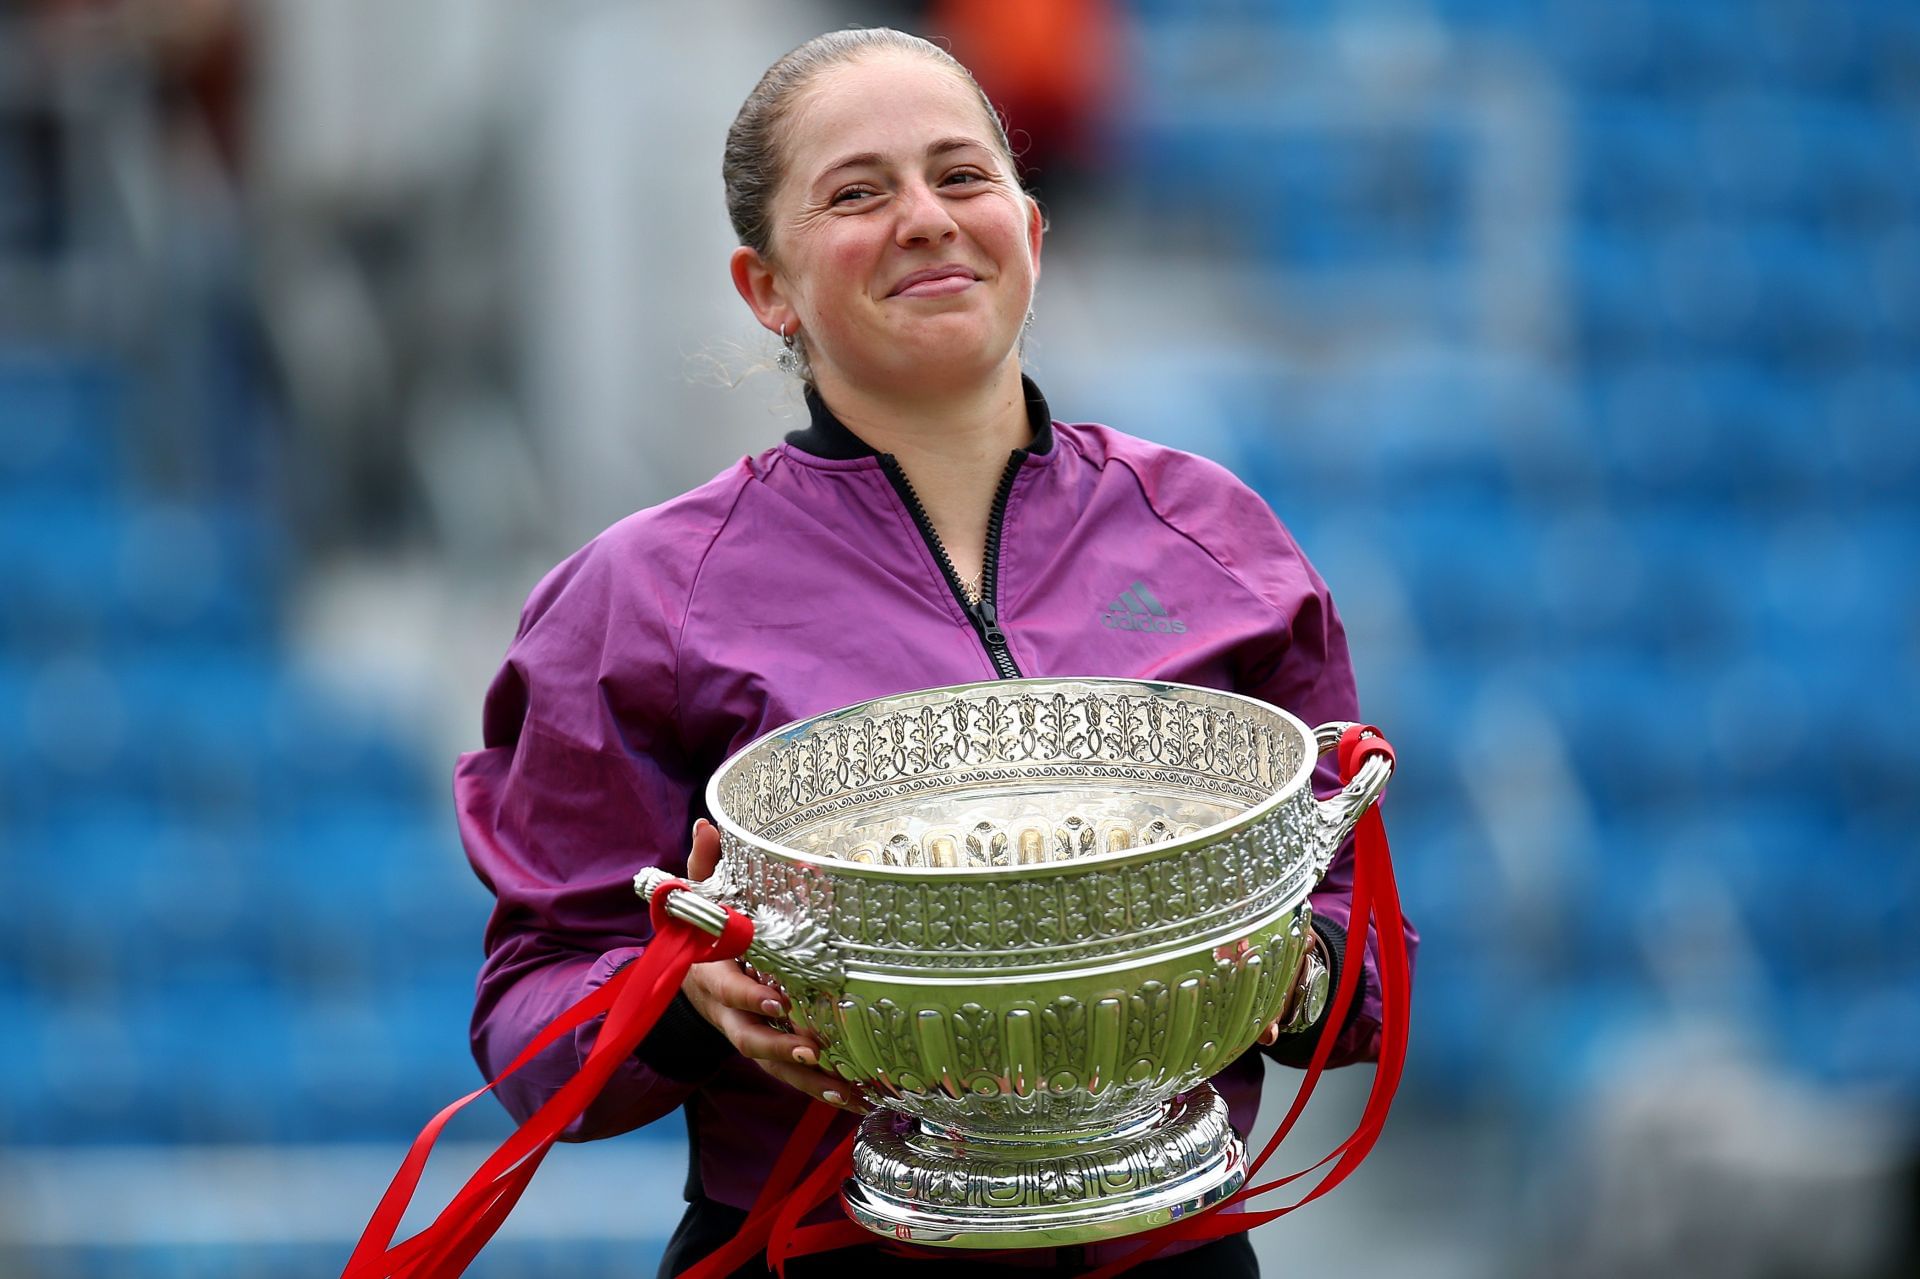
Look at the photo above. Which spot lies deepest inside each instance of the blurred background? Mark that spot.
(1578, 341)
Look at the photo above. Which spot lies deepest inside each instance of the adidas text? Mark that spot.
(1129, 622)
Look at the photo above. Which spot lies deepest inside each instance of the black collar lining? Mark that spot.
(826, 436)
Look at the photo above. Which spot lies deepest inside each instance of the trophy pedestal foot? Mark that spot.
(961, 1190)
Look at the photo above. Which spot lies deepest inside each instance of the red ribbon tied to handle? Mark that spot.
(632, 1001)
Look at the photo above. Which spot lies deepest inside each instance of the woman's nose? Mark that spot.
(923, 217)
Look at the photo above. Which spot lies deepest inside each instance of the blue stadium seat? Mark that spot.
(1865, 1038)
(380, 1061)
(1861, 173)
(59, 414)
(1564, 1039)
(1458, 1012)
(1819, 313)
(1891, 38)
(62, 554)
(1626, 723)
(319, 747)
(24, 1067)
(1471, 576)
(1727, 430)
(85, 571)
(1639, 165)
(1870, 426)
(225, 1041)
(1817, 48)
(98, 1081)
(1615, 283)
(1607, 47)
(1709, 289)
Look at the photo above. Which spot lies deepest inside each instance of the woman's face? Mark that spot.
(903, 249)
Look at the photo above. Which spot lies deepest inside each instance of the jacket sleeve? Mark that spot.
(579, 785)
(1312, 676)
(1301, 666)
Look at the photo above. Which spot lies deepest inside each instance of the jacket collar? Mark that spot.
(826, 436)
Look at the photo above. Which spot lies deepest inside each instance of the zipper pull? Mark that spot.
(989, 623)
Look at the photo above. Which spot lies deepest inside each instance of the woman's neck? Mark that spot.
(953, 449)
(949, 429)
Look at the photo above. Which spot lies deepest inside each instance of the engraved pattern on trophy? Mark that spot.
(1212, 748)
(944, 1172)
(1093, 913)
(1149, 1010)
(1066, 1060)
(1030, 919)
(976, 1032)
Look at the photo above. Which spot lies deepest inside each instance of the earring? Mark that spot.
(1028, 322)
(788, 359)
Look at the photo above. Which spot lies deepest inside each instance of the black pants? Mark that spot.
(708, 1225)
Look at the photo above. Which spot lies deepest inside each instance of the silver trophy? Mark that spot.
(1029, 919)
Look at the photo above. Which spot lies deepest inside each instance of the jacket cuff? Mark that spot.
(683, 1046)
(1296, 1049)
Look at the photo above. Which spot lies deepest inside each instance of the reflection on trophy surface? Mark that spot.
(1030, 919)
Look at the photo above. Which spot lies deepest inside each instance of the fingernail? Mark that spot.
(805, 1056)
(831, 1097)
(771, 1007)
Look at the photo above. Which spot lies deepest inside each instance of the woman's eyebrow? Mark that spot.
(940, 147)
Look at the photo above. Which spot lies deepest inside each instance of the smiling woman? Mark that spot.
(901, 252)
(931, 525)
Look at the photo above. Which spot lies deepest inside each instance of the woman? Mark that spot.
(931, 525)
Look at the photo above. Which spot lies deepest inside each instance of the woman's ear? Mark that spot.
(759, 287)
(1036, 231)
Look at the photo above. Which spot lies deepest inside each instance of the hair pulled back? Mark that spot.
(752, 165)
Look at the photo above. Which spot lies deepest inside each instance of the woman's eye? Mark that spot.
(971, 176)
(851, 194)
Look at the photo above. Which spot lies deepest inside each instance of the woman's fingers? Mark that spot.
(818, 1084)
(705, 854)
(739, 1007)
(1271, 1035)
(723, 982)
(792, 1059)
(754, 1038)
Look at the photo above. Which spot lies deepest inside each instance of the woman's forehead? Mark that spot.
(891, 105)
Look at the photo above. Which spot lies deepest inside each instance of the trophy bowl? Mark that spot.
(1029, 919)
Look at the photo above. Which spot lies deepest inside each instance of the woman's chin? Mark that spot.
(954, 357)
(945, 370)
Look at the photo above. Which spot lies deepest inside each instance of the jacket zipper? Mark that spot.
(985, 615)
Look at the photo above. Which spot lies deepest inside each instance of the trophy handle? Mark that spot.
(788, 946)
(1341, 813)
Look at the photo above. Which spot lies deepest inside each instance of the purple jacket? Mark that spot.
(804, 579)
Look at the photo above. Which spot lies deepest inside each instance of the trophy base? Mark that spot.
(957, 1190)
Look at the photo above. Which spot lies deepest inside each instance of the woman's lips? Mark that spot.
(939, 287)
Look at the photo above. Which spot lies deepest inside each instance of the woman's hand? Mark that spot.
(1298, 991)
(739, 1007)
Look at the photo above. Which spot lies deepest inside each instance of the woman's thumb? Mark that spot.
(706, 850)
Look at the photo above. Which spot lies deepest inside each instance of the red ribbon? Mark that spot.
(632, 1001)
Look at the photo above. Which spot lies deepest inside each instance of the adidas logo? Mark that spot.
(1137, 609)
